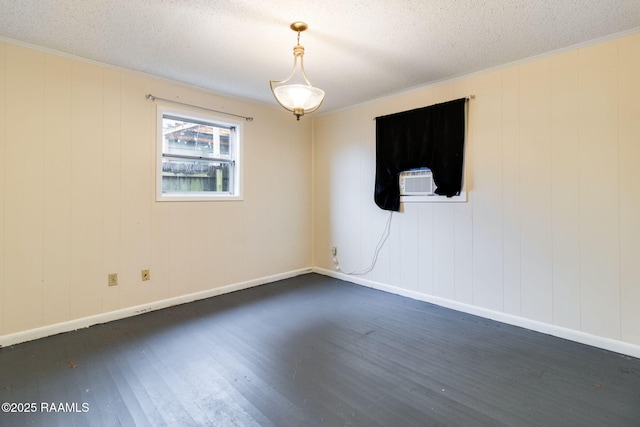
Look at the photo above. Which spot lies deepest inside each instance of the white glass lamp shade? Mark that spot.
(299, 98)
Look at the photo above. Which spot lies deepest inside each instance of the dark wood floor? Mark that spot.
(312, 351)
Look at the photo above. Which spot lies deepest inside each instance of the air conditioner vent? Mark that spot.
(417, 182)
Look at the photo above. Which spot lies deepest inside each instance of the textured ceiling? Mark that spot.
(355, 50)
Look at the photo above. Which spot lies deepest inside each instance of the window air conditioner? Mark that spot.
(416, 182)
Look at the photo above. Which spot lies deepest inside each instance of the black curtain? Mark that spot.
(431, 137)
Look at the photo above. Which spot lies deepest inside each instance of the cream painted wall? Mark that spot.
(551, 230)
(77, 194)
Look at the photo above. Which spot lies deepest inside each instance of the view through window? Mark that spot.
(198, 157)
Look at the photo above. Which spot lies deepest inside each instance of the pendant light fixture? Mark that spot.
(295, 93)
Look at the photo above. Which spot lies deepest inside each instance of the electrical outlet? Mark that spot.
(146, 275)
(113, 279)
(334, 250)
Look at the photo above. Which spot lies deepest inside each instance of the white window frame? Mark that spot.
(235, 148)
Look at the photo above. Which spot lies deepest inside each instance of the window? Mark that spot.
(429, 137)
(198, 156)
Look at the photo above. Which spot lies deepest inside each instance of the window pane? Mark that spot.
(194, 139)
(187, 175)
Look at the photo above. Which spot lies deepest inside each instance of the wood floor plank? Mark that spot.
(317, 351)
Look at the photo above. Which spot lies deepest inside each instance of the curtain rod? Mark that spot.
(468, 97)
(153, 98)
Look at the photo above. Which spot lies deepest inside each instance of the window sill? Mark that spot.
(461, 198)
(197, 198)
